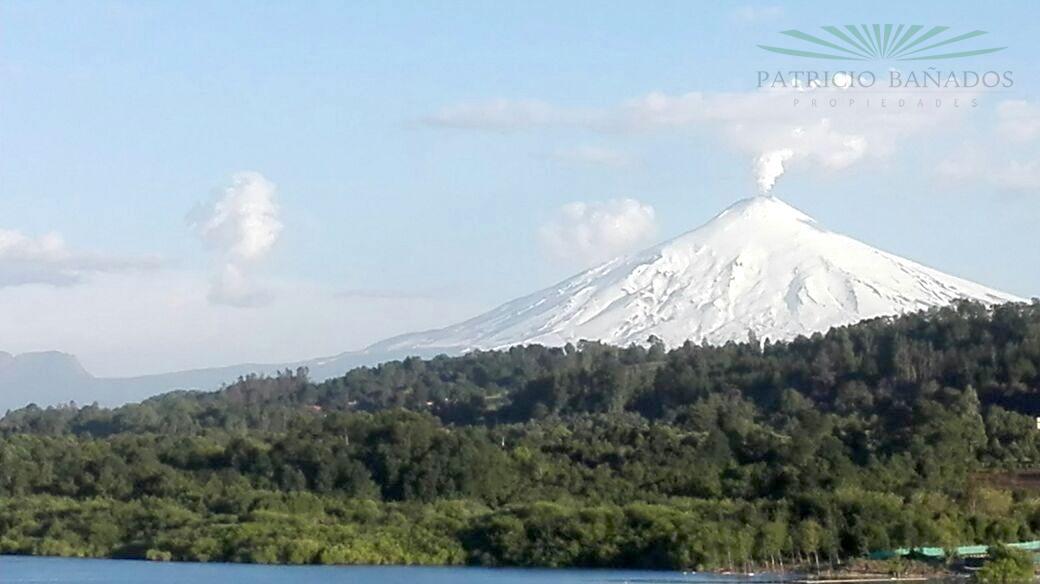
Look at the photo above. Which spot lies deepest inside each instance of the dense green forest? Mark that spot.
(909, 431)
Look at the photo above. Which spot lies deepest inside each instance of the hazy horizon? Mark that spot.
(191, 185)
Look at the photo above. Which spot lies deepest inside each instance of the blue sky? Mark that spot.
(120, 121)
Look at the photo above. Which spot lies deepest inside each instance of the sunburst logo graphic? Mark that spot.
(876, 42)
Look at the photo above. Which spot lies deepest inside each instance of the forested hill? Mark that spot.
(907, 431)
(875, 370)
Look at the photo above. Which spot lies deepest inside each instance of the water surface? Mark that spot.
(24, 570)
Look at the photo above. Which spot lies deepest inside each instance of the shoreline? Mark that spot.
(838, 576)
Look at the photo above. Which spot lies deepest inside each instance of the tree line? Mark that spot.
(891, 432)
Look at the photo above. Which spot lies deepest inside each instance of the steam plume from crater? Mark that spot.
(769, 167)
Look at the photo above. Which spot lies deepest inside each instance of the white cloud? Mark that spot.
(1005, 156)
(1018, 120)
(244, 222)
(1019, 175)
(242, 226)
(824, 136)
(975, 166)
(829, 128)
(234, 287)
(588, 233)
(47, 259)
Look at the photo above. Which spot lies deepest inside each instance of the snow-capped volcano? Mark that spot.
(760, 266)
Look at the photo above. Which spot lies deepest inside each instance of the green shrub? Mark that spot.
(154, 555)
(1006, 566)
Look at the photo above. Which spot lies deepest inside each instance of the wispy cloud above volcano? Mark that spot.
(821, 128)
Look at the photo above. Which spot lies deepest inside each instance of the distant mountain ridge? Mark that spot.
(52, 377)
(28, 368)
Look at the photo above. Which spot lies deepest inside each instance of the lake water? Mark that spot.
(24, 570)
